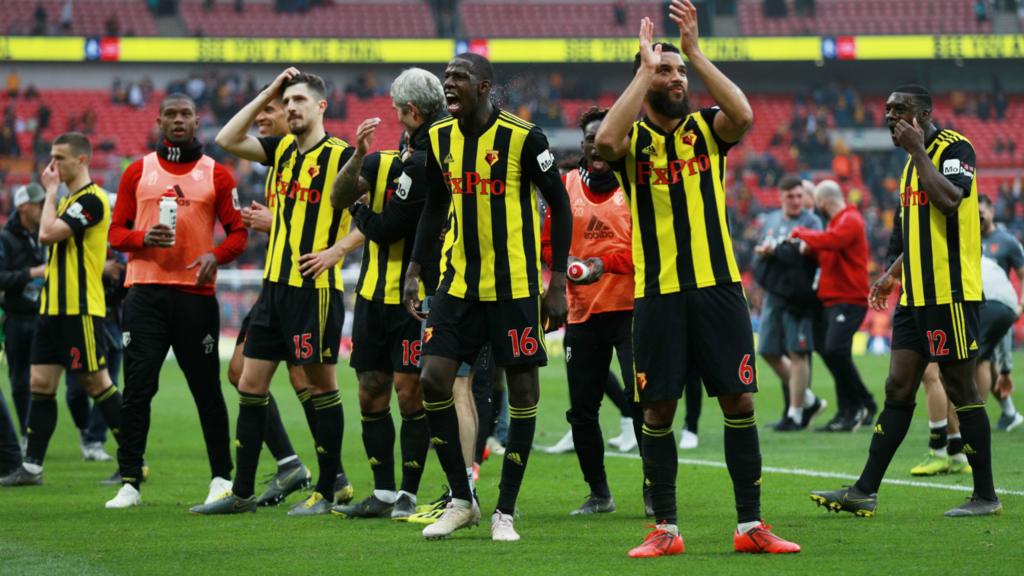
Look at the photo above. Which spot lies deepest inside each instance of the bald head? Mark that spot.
(829, 197)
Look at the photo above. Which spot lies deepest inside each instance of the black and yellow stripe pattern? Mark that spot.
(747, 422)
(383, 266)
(439, 405)
(303, 395)
(941, 254)
(74, 269)
(92, 359)
(656, 432)
(253, 400)
(492, 248)
(522, 413)
(676, 187)
(105, 395)
(969, 407)
(304, 220)
(960, 343)
(323, 313)
(374, 416)
(327, 400)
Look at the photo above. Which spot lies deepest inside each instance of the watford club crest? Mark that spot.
(314, 171)
(492, 157)
(689, 138)
(641, 380)
(428, 333)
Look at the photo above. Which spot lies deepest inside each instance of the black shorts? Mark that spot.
(385, 338)
(940, 332)
(996, 320)
(78, 343)
(695, 334)
(243, 329)
(295, 325)
(458, 329)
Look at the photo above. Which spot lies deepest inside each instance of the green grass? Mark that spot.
(62, 527)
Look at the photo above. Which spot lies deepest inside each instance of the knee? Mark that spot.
(434, 384)
(234, 374)
(410, 397)
(737, 403)
(897, 390)
(659, 414)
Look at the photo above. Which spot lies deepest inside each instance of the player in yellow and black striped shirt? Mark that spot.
(690, 318)
(484, 169)
(385, 339)
(69, 331)
(938, 234)
(299, 314)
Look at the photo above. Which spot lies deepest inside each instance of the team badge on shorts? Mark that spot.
(428, 333)
(641, 380)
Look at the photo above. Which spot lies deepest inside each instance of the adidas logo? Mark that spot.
(448, 159)
(374, 461)
(437, 441)
(650, 150)
(757, 482)
(878, 430)
(412, 465)
(968, 449)
(974, 345)
(320, 450)
(597, 229)
(514, 458)
(208, 344)
(326, 353)
(238, 443)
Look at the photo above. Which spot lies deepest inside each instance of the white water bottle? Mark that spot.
(169, 211)
(578, 271)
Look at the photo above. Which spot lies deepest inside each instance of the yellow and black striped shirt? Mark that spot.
(492, 248)
(74, 271)
(304, 221)
(676, 185)
(941, 254)
(384, 263)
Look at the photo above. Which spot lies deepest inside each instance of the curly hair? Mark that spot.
(591, 114)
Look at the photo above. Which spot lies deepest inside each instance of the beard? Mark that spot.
(664, 105)
(298, 129)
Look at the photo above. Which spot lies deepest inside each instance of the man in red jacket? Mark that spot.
(842, 251)
(170, 279)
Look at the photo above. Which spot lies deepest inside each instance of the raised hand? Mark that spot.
(909, 136)
(50, 177)
(684, 13)
(364, 134)
(650, 55)
(286, 75)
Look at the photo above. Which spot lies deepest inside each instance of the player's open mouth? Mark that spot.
(598, 163)
(454, 105)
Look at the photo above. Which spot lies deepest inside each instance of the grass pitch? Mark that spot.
(62, 527)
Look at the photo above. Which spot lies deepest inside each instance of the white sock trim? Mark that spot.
(386, 496)
(33, 468)
(744, 527)
(944, 422)
(287, 459)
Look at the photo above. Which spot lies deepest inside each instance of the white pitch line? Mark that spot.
(821, 474)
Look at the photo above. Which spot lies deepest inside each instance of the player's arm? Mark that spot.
(234, 136)
(539, 164)
(428, 230)
(840, 236)
(401, 213)
(315, 263)
(947, 188)
(349, 185)
(735, 115)
(612, 139)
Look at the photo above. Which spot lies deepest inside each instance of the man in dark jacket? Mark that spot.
(22, 267)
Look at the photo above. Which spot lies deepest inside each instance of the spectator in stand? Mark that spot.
(619, 11)
(66, 16)
(845, 164)
(39, 20)
(112, 26)
(43, 115)
(842, 251)
(13, 84)
(9, 143)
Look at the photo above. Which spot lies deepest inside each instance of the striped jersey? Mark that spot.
(74, 271)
